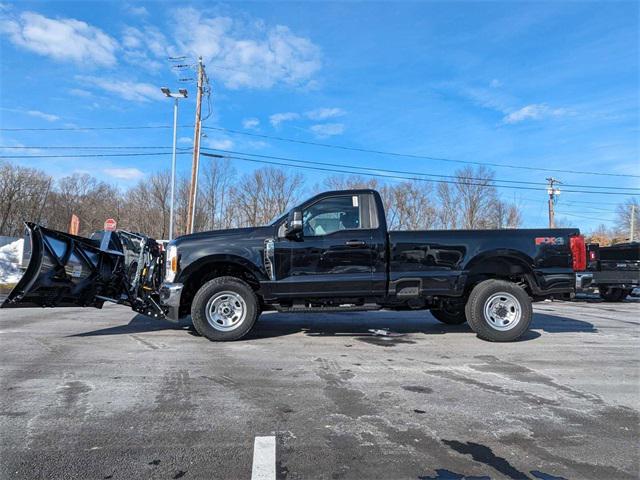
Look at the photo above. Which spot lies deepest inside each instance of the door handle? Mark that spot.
(355, 243)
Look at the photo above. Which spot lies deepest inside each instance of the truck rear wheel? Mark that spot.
(224, 309)
(449, 313)
(612, 294)
(499, 311)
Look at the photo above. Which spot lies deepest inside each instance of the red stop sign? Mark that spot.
(110, 224)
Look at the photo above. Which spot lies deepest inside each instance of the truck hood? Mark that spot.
(257, 233)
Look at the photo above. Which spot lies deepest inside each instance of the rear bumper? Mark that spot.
(584, 281)
(618, 278)
(170, 294)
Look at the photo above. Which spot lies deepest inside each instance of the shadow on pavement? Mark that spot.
(348, 325)
(556, 324)
(138, 324)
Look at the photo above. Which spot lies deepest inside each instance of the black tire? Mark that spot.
(514, 299)
(450, 314)
(612, 294)
(238, 292)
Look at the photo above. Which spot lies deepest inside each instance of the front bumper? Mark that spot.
(170, 297)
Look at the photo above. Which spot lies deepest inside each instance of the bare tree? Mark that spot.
(623, 222)
(265, 193)
(218, 177)
(503, 215)
(447, 211)
(81, 194)
(410, 206)
(23, 192)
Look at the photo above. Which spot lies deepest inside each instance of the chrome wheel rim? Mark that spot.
(226, 311)
(502, 311)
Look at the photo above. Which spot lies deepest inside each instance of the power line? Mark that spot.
(404, 172)
(587, 218)
(398, 177)
(60, 129)
(76, 147)
(328, 145)
(411, 155)
(93, 155)
(138, 147)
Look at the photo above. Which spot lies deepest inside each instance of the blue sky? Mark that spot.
(544, 84)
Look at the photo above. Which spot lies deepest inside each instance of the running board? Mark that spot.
(340, 308)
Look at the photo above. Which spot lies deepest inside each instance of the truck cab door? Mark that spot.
(335, 255)
(64, 270)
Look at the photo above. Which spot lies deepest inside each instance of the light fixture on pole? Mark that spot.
(182, 93)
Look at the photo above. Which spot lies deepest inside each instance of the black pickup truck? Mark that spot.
(331, 253)
(613, 270)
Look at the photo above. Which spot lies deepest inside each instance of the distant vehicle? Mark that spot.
(614, 270)
(332, 253)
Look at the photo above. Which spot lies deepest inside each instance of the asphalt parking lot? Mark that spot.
(109, 394)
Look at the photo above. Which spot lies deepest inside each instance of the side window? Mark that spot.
(330, 215)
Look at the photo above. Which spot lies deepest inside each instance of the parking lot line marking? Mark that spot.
(264, 459)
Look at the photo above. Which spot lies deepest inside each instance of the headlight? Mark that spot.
(171, 266)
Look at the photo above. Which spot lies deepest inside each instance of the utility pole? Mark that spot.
(633, 223)
(552, 200)
(193, 189)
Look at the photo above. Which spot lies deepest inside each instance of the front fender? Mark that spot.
(257, 270)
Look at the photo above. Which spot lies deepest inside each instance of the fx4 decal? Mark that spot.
(549, 240)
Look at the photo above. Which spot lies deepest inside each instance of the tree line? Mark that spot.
(227, 199)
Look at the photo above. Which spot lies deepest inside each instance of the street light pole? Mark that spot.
(182, 93)
(173, 167)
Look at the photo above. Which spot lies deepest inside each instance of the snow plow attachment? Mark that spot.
(64, 270)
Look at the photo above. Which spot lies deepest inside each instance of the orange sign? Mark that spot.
(74, 224)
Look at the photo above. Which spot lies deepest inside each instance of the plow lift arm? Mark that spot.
(64, 270)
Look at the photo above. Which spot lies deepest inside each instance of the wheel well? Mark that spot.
(503, 268)
(209, 271)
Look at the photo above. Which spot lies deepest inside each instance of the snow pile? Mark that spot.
(10, 258)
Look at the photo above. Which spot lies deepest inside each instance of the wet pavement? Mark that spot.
(111, 394)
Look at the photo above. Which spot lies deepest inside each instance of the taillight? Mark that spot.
(578, 253)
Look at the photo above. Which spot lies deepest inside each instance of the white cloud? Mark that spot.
(78, 92)
(220, 144)
(64, 39)
(325, 113)
(124, 173)
(49, 117)
(277, 118)
(495, 83)
(324, 130)
(250, 55)
(533, 112)
(250, 123)
(143, 45)
(137, 10)
(134, 91)
(185, 140)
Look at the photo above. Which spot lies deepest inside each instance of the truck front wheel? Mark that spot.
(224, 309)
(499, 311)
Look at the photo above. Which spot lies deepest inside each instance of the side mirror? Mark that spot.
(294, 225)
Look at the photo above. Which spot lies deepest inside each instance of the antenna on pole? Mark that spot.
(552, 191)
